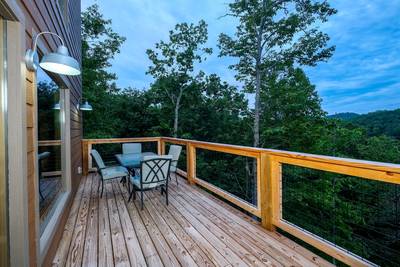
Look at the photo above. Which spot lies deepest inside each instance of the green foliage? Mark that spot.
(174, 61)
(292, 114)
(272, 36)
(275, 32)
(99, 45)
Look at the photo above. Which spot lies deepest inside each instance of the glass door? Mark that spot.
(3, 149)
(50, 166)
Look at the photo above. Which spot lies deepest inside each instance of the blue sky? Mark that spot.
(362, 76)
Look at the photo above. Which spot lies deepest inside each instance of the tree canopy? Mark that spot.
(175, 60)
(273, 35)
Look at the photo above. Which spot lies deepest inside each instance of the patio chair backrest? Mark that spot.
(155, 170)
(175, 152)
(128, 148)
(97, 158)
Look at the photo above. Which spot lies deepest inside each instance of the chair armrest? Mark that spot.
(114, 165)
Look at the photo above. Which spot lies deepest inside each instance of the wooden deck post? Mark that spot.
(160, 146)
(85, 157)
(269, 179)
(191, 162)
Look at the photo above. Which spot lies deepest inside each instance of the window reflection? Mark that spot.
(49, 155)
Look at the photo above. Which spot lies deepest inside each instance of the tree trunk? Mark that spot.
(256, 134)
(256, 126)
(176, 115)
(176, 118)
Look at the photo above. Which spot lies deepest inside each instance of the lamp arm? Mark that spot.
(41, 33)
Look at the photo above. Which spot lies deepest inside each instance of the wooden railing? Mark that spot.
(50, 143)
(269, 181)
(88, 143)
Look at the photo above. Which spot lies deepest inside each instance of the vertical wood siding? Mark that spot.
(46, 15)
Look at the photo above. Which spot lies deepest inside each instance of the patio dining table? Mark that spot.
(132, 160)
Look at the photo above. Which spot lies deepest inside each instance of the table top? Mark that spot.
(132, 160)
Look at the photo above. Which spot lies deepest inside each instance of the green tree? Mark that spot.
(273, 34)
(175, 60)
(293, 118)
(99, 45)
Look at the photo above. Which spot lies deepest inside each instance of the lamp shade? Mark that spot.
(57, 106)
(86, 106)
(60, 62)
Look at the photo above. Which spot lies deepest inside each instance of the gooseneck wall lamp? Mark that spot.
(57, 106)
(58, 62)
(84, 107)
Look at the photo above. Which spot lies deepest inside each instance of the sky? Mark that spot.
(362, 76)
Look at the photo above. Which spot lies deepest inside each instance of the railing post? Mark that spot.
(160, 146)
(191, 162)
(85, 157)
(269, 179)
(90, 159)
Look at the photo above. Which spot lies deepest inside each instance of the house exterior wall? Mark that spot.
(61, 17)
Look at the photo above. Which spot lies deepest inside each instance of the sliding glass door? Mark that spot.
(3, 149)
(50, 184)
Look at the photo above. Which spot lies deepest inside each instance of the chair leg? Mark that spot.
(141, 199)
(123, 180)
(176, 177)
(133, 193)
(166, 195)
(102, 188)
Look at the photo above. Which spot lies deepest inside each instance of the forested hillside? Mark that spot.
(383, 122)
(184, 101)
(344, 115)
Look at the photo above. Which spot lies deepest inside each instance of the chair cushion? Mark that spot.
(135, 180)
(114, 172)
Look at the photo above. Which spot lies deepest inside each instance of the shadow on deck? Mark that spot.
(194, 229)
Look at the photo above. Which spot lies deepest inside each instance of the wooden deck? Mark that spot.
(194, 229)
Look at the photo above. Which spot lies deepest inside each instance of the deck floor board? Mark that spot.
(195, 229)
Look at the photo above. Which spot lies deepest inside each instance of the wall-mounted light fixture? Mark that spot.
(57, 106)
(85, 106)
(58, 62)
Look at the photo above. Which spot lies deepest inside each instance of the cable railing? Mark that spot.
(347, 209)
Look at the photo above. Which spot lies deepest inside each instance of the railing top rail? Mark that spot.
(121, 140)
(356, 163)
(49, 142)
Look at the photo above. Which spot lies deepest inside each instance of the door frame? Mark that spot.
(17, 137)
